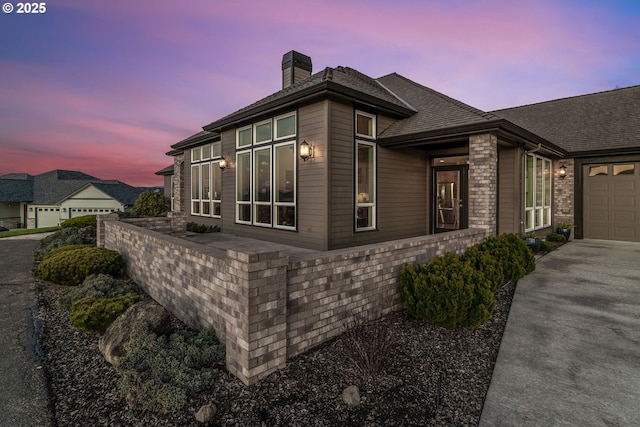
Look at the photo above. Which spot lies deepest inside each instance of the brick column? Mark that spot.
(563, 193)
(178, 183)
(100, 230)
(256, 338)
(483, 182)
(178, 223)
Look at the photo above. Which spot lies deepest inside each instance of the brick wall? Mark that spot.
(483, 182)
(267, 305)
(563, 193)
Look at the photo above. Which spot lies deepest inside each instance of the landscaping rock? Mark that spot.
(112, 343)
(206, 413)
(351, 396)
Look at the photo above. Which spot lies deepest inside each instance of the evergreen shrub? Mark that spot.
(94, 315)
(95, 286)
(160, 373)
(556, 238)
(80, 221)
(73, 266)
(512, 253)
(151, 203)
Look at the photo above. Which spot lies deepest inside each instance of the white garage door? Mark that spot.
(612, 201)
(47, 217)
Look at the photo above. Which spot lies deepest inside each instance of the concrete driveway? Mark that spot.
(23, 392)
(570, 355)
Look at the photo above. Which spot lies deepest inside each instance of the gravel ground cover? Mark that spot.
(431, 377)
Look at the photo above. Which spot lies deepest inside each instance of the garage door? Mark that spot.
(47, 217)
(612, 201)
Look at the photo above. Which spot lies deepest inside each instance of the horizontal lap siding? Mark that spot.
(509, 190)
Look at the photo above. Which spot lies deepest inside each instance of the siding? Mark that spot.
(509, 190)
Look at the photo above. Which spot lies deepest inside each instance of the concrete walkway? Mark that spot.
(23, 393)
(570, 355)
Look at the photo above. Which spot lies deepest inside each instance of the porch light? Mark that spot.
(223, 163)
(562, 172)
(306, 151)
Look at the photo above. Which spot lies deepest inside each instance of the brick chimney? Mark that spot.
(295, 67)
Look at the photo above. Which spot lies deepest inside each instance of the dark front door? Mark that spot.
(449, 197)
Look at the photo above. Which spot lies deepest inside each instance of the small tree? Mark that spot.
(151, 203)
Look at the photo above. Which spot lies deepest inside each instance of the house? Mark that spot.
(47, 199)
(338, 159)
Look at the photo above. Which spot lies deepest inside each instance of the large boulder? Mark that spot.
(112, 343)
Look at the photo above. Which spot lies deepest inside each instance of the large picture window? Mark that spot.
(266, 174)
(206, 180)
(537, 192)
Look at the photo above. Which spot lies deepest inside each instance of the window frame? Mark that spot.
(372, 206)
(275, 126)
(539, 215)
(278, 204)
(255, 187)
(249, 202)
(255, 132)
(212, 162)
(241, 130)
(373, 125)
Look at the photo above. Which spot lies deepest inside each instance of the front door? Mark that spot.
(450, 187)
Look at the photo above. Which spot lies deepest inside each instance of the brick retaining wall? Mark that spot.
(267, 306)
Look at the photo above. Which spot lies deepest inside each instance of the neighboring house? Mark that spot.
(47, 199)
(338, 159)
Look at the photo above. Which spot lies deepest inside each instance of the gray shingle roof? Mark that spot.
(434, 109)
(15, 188)
(196, 139)
(605, 121)
(340, 80)
(51, 188)
(166, 170)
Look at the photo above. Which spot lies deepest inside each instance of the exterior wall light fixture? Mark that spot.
(562, 172)
(223, 163)
(306, 151)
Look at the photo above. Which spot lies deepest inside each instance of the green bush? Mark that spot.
(80, 221)
(61, 249)
(512, 253)
(95, 286)
(447, 292)
(556, 238)
(73, 266)
(159, 373)
(487, 264)
(546, 246)
(65, 237)
(94, 315)
(201, 228)
(151, 203)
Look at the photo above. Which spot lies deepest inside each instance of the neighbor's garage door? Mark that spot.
(612, 201)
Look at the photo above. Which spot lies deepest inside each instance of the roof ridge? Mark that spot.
(484, 114)
(584, 95)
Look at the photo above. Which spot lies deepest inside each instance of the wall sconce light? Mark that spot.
(306, 151)
(562, 172)
(223, 163)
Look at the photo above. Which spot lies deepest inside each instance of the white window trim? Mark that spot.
(544, 208)
(255, 132)
(275, 126)
(256, 202)
(374, 127)
(193, 153)
(293, 204)
(238, 146)
(244, 202)
(375, 189)
(199, 198)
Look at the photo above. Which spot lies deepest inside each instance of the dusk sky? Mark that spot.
(107, 86)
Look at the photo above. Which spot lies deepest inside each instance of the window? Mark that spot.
(623, 169)
(365, 185)
(206, 181)
(266, 175)
(537, 192)
(285, 126)
(243, 137)
(365, 125)
(598, 170)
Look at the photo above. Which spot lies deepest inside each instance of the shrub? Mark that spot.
(151, 203)
(159, 373)
(73, 266)
(512, 254)
(61, 249)
(546, 246)
(447, 292)
(201, 228)
(487, 264)
(95, 286)
(556, 238)
(64, 237)
(367, 344)
(94, 315)
(80, 221)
